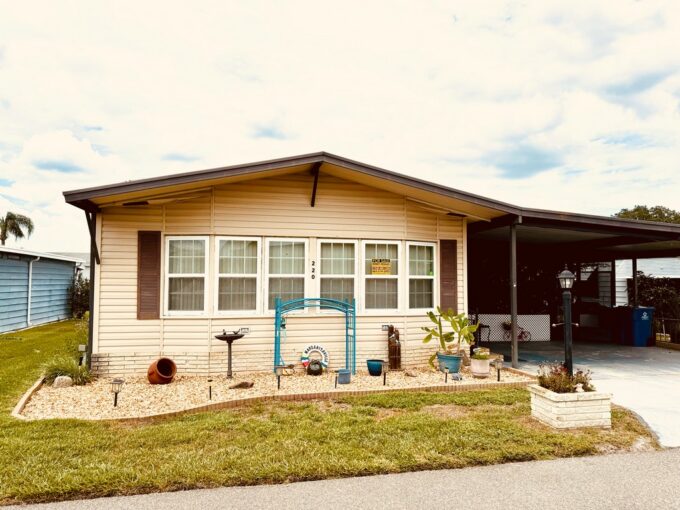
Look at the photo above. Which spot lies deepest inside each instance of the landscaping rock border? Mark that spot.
(19, 408)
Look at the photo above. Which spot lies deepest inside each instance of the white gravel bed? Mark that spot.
(138, 398)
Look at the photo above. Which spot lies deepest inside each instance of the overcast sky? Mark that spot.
(571, 107)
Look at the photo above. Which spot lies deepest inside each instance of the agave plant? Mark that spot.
(449, 341)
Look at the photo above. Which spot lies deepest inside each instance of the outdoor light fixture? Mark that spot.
(209, 388)
(566, 279)
(446, 375)
(385, 365)
(116, 386)
(278, 370)
(498, 363)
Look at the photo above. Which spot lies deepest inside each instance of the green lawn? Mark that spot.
(272, 443)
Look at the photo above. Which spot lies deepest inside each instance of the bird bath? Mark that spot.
(230, 338)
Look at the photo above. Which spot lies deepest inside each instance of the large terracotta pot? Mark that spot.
(161, 371)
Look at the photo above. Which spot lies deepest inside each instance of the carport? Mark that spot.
(523, 253)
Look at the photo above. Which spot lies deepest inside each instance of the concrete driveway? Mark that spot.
(643, 379)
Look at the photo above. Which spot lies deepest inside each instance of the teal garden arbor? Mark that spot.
(283, 308)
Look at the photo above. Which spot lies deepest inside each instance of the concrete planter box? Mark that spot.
(571, 410)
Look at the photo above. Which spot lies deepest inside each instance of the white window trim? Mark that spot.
(167, 276)
(356, 277)
(398, 277)
(266, 275)
(409, 277)
(216, 279)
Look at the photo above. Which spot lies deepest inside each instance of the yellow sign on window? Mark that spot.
(381, 266)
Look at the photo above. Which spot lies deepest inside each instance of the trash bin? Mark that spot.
(623, 325)
(642, 325)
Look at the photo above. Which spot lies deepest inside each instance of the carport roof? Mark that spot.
(583, 236)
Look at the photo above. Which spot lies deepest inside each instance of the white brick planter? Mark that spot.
(571, 410)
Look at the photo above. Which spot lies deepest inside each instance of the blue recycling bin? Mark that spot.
(643, 318)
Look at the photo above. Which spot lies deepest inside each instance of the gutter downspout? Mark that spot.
(30, 290)
(93, 250)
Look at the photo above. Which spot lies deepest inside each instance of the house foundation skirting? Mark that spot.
(200, 363)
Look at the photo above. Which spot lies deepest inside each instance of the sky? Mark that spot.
(570, 106)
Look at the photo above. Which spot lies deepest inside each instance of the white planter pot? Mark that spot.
(480, 367)
(571, 410)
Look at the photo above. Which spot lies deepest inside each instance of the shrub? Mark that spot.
(554, 377)
(481, 355)
(80, 296)
(66, 365)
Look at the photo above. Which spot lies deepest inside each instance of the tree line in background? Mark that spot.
(657, 291)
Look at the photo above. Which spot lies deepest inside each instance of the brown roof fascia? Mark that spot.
(77, 197)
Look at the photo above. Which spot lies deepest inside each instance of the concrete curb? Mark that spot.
(667, 345)
(18, 409)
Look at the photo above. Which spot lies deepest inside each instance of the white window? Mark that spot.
(186, 270)
(286, 268)
(381, 275)
(337, 270)
(421, 274)
(238, 275)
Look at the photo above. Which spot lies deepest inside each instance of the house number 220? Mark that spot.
(313, 269)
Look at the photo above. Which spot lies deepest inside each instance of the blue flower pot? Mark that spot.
(450, 361)
(375, 366)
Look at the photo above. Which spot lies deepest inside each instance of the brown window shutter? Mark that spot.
(148, 275)
(448, 274)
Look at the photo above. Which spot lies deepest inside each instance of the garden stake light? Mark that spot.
(278, 370)
(499, 365)
(209, 389)
(446, 375)
(116, 386)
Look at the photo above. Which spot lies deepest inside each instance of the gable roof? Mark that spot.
(456, 202)
(91, 198)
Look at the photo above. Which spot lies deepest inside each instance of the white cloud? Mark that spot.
(442, 91)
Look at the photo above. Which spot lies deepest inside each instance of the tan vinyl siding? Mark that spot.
(277, 206)
(117, 324)
(282, 207)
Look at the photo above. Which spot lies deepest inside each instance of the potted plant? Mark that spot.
(480, 364)
(449, 356)
(563, 401)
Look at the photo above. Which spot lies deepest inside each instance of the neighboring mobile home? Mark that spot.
(179, 258)
(34, 288)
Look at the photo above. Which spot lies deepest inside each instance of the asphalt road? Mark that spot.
(638, 480)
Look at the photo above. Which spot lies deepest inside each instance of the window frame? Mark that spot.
(355, 276)
(167, 275)
(409, 277)
(399, 277)
(266, 275)
(217, 275)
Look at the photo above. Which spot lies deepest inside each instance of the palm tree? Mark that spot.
(15, 224)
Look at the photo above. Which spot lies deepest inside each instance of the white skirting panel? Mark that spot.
(537, 325)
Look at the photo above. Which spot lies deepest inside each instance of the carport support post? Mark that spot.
(635, 284)
(513, 294)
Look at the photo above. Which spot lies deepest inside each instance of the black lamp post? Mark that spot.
(566, 279)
